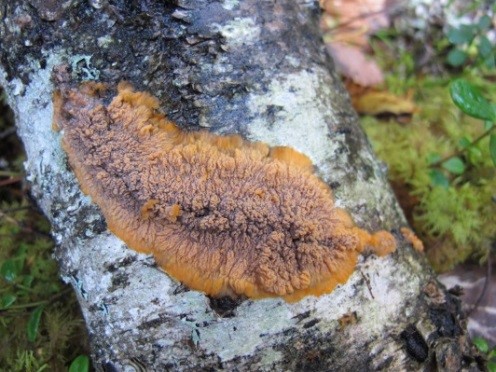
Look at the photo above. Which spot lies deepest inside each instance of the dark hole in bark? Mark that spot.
(225, 306)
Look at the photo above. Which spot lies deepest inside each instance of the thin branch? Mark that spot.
(51, 300)
(7, 132)
(484, 288)
(460, 152)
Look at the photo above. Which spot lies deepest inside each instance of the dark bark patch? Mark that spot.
(311, 323)
(415, 344)
(225, 307)
(446, 324)
(124, 263)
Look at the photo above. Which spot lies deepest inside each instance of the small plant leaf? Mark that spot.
(490, 61)
(34, 323)
(438, 178)
(481, 344)
(492, 354)
(465, 142)
(433, 157)
(27, 280)
(491, 366)
(474, 153)
(457, 57)
(470, 100)
(484, 22)
(11, 268)
(80, 364)
(485, 47)
(462, 35)
(7, 300)
(492, 148)
(454, 165)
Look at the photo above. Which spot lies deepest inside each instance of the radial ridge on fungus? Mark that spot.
(221, 214)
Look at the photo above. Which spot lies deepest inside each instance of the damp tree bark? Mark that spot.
(257, 68)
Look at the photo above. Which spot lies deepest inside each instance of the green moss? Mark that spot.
(456, 222)
(29, 277)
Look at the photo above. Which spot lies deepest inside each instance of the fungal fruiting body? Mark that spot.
(222, 215)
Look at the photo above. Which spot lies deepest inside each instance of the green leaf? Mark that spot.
(80, 364)
(492, 148)
(464, 142)
(492, 354)
(491, 366)
(34, 323)
(485, 47)
(438, 178)
(484, 22)
(481, 344)
(490, 61)
(488, 124)
(457, 57)
(27, 280)
(474, 153)
(433, 158)
(462, 35)
(470, 100)
(7, 300)
(11, 268)
(454, 165)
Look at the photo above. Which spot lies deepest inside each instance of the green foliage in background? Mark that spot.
(490, 354)
(470, 44)
(445, 158)
(442, 162)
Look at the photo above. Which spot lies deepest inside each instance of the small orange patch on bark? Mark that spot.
(413, 239)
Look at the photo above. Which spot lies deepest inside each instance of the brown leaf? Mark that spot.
(375, 103)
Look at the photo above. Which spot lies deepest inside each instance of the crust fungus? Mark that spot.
(222, 215)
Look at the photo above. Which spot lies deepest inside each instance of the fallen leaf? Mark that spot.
(379, 102)
(354, 64)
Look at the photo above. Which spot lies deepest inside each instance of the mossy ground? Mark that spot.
(29, 280)
(455, 221)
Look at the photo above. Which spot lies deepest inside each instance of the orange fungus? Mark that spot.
(222, 215)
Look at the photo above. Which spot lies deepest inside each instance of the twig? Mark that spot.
(10, 181)
(20, 225)
(484, 288)
(7, 132)
(51, 300)
(459, 152)
(8, 173)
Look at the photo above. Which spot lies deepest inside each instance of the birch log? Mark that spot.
(257, 68)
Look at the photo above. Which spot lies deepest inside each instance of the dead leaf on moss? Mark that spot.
(380, 102)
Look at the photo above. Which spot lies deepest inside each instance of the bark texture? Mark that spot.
(257, 68)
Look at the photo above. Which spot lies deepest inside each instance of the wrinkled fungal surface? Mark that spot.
(222, 215)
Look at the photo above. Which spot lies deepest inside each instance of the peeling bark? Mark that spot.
(257, 68)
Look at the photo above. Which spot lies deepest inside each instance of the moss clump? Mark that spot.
(455, 221)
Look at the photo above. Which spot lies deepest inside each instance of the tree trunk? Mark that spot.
(259, 69)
